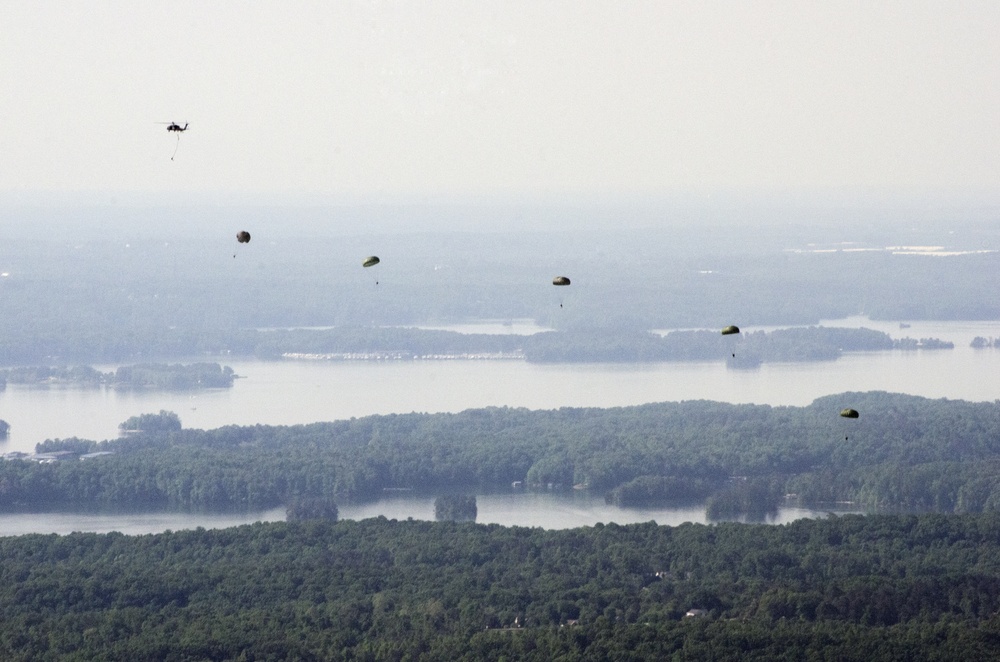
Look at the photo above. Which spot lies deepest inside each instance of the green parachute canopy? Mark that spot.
(243, 237)
(560, 280)
(730, 330)
(370, 261)
(849, 413)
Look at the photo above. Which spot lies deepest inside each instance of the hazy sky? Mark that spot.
(500, 97)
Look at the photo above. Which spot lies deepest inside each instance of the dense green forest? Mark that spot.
(148, 375)
(904, 453)
(165, 421)
(845, 588)
(134, 291)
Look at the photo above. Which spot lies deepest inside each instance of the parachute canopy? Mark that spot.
(730, 330)
(560, 280)
(849, 413)
(370, 261)
(243, 236)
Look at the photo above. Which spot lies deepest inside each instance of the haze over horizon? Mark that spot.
(450, 100)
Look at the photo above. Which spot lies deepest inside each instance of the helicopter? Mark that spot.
(178, 129)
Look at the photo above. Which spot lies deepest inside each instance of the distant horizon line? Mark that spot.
(722, 196)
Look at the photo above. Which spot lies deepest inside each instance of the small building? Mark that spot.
(90, 456)
(54, 456)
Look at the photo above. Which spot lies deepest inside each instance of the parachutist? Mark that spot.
(730, 330)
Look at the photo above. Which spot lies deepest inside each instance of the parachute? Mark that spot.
(560, 281)
(849, 413)
(371, 261)
(243, 237)
(730, 330)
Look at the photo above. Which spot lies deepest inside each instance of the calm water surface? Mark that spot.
(292, 392)
(544, 510)
(551, 511)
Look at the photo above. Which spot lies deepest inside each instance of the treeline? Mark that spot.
(165, 421)
(456, 507)
(796, 344)
(923, 343)
(903, 453)
(980, 342)
(607, 344)
(849, 588)
(148, 375)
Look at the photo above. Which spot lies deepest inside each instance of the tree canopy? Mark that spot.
(905, 453)
(846, 588)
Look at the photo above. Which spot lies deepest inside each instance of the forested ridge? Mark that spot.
(121, 294)
(795, 344)
(904, 453)
(845, 588)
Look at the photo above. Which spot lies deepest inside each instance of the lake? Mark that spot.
(547, 510)
(292, 392)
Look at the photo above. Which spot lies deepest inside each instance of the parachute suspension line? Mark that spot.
(175, 150)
